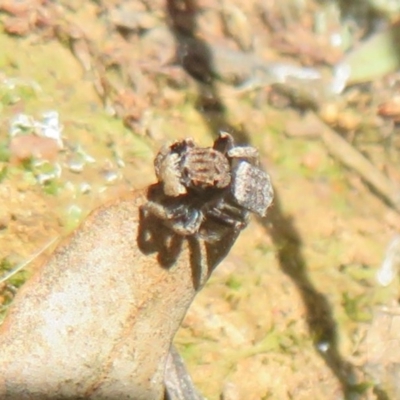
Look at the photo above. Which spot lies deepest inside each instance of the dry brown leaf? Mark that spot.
(97, 320)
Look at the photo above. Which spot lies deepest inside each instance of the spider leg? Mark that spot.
(229, 214)
(243, 152)
(226, 145)
(251, 188)
(224, 142)
(187, 226)
(182, 220)
(165, 212)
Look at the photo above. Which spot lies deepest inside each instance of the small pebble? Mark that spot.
(76, 164)
(85, 187)
(110, 176)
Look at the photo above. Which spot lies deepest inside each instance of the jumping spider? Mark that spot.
(222, 183)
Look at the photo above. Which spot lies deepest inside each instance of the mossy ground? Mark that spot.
(258, 323)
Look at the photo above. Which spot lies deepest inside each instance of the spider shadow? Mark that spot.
(155, 237)
(196, 57)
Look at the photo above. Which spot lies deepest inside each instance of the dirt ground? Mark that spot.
(295, 311)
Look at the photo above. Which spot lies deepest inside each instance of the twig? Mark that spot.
(22, 265)
(340, 149)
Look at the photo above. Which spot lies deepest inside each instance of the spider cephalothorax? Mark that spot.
(184, 166)
(223, 183)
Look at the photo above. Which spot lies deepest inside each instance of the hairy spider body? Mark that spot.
(205, 168)
(167, 169)
(223, 184)
(183, 165)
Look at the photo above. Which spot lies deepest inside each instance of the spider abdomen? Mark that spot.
(206, 168)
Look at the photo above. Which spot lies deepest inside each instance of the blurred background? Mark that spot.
(306, 304)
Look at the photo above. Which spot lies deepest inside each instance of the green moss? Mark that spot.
(27, 164)
(15, 280)
(362, 387)
(271, 342)
(234, 283)
(188, 350)
(53, 187)
(73, 217)
(360, 272)
(5, 265)
(18, 92)
(3, 173)
(357, 307)
(4, 152)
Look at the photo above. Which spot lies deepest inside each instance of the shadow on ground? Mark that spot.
(195, 57)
